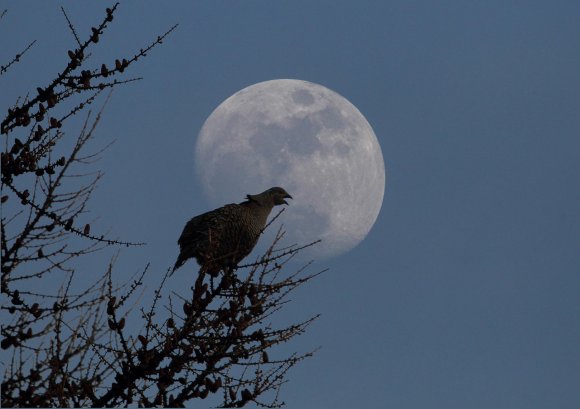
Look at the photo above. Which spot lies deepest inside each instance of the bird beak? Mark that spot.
(287, 197)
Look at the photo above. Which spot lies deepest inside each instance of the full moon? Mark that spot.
(307, 139)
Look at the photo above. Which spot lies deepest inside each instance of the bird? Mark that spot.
(221, 238)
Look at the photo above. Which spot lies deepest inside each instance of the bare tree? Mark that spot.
(69, 345)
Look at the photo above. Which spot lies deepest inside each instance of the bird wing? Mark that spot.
(200, 227)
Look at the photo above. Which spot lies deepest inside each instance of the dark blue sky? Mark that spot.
(465, 294)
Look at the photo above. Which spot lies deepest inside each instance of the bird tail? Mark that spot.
(178, 264)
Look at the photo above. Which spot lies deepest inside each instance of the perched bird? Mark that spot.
(221, 238)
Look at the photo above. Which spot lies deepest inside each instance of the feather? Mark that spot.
(221, 238)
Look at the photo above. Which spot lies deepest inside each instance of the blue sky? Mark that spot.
(465, 294)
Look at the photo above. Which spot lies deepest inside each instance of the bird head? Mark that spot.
(272, 197)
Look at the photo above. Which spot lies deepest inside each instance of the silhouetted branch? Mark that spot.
(71, 27)
(17, 57)
(66, 338)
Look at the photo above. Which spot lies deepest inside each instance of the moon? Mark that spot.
(307, 139)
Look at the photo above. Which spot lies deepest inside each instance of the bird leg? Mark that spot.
(198, 288)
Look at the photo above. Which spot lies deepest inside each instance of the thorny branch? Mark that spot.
(70, 341)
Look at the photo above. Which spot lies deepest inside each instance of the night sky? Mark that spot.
(466, 292)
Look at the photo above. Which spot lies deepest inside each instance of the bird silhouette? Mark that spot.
(221, 238)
